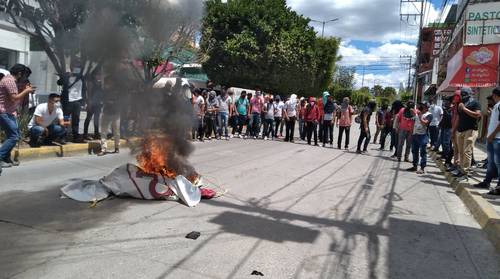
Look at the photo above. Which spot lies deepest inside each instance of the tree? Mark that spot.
(344, 77)
(361, 97)
(377, 90)
(86, 33)
(389, 92)
(249, 43)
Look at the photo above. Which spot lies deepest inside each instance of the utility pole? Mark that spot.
(324, 23)
(409, 64)
(363, 79)
(412, 11)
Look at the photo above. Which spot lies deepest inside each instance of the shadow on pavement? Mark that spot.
(42, 224)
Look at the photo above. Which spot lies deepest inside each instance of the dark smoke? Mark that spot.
(119, 32)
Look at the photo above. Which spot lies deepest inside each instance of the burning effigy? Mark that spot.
(155, 177)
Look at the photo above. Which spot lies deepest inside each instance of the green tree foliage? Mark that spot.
(340, 93)
(361, 97)
(377, 90)
(344, 76)
(405, 96)
(249, 43)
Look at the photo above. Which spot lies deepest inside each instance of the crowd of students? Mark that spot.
(269, 117)
(450, 129)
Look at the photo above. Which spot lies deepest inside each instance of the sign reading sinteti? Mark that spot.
(482, 24)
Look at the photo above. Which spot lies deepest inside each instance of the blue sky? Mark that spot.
(373, 36)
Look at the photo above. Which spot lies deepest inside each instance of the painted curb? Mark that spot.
(483, 212)
(44, 152)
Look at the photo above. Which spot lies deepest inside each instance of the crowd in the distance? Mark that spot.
(451, 129)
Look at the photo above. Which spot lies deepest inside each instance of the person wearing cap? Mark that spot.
(469, 113)
(493, 146)
(10, 98)
(312, 118)
(422, 118)
(364, 126)
(47, 122)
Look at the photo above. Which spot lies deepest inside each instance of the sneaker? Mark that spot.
(323, 145)
(231, 136)
(265, 138)
(421, 171)
(393, 156)
(412, 169)
(117, 150)
(495, 192)
(292, 141)
(5, 165)
(456, 173)
(462, 178)
(482, 185)
(13, 163)
(254, 137)
(407, 160)
(358, 151)
(244, 137)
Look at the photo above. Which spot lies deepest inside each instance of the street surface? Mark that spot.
(291, 211)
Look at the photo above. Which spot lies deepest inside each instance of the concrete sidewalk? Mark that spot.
(485, 208)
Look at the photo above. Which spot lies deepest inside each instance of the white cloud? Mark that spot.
(386, 56)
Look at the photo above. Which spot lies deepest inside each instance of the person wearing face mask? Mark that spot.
(47, 123)
(224, 103)
(211, 115)
(256, 107)
(469, 114)
(445, 126)
(404, 126)
(10, 97)
(344, 122)
(364, 126)
(328, 120)
(312, 118)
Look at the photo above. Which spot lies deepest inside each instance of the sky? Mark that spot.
(373, 35)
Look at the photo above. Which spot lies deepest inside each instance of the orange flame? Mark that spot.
(153, 158)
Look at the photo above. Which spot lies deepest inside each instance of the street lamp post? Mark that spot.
(324, 23)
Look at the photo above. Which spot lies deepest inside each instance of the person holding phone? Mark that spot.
(10, 97)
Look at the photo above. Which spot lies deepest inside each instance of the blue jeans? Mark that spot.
(302, 129)
(493, 162)
(222, 119)
(445, 138)
(55, 132)
(269, 128)
(404, 136)
(434, 135)
(255, 124)
(8, 123)
(419, 147)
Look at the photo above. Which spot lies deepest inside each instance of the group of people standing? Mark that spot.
(451, 130)
(265, 116)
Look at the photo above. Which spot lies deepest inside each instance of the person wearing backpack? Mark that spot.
(328, 121)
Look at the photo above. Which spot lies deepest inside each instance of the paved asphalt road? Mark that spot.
(291, 211)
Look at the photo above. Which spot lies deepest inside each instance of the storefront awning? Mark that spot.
(472, 66)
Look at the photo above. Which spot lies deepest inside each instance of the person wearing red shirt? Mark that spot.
(404, 127)
(311, 118)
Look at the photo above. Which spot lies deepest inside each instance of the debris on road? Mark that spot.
(193, 235)
(258, 273)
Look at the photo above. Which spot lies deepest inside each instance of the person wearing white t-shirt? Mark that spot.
(47, 122)
(290, 114)
(437, 115)
(278, 117)
(493, 147)
(73, 106)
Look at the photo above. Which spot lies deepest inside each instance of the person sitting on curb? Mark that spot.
(493, 146)
(47, 123)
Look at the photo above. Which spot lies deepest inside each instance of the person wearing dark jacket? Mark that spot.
(328, 120)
